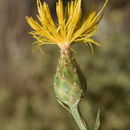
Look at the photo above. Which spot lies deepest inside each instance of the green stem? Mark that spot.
(77, 117)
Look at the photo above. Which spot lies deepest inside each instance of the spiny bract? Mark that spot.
(70, 83)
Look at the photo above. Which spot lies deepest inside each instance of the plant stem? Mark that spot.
(77, 117)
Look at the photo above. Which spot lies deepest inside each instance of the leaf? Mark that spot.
(97, 123)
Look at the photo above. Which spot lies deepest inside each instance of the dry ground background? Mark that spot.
(27, 100)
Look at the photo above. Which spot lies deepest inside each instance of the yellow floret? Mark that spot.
(71, 26)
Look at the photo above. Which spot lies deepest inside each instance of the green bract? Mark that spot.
(70, 84)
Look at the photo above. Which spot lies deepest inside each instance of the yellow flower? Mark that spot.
(71, 27)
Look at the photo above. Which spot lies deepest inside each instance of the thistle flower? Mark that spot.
(71, 27)
(69, 84)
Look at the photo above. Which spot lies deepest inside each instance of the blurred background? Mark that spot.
(27, 99)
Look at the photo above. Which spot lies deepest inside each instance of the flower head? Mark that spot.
(71, 26)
